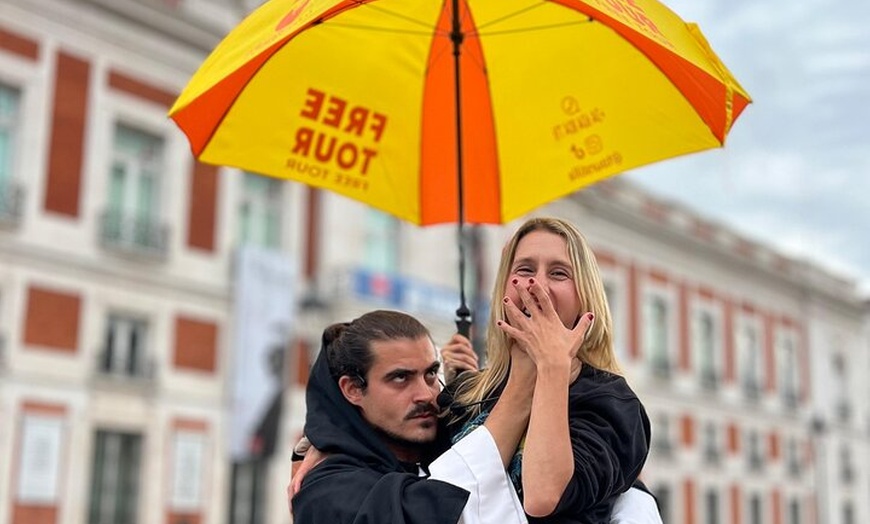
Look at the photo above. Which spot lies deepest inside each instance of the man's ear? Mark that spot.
(351, 389)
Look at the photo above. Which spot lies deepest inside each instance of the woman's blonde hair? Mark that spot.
(597, 349)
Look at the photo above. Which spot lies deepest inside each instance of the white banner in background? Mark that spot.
(40, 459)
(265, 312)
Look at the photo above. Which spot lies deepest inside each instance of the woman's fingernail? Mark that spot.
(506, 299)
(515, 281)
(531, 281)
(498, 322)
(591, 317)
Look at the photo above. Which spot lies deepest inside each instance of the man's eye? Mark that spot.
(400, 378)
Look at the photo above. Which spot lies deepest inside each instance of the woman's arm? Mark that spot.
(548, 459)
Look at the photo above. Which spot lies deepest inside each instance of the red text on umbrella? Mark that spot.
(335, 112)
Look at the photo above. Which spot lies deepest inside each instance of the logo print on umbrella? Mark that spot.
(333, 138)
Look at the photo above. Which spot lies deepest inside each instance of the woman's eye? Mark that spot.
(523, 271)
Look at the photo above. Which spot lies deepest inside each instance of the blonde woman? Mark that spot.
(588, 434)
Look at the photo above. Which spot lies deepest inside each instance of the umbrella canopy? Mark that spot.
(460, 111)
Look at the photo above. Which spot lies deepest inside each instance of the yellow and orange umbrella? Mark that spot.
(468, 111)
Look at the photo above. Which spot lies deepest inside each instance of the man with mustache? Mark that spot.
(372, 410)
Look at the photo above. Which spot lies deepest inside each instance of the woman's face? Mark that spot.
(543, 256)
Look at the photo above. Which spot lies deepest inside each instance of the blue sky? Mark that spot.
(795, 172)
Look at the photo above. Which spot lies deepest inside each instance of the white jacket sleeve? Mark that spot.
(635, 507)
(474, 464)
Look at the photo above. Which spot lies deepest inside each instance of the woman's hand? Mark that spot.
(458, 355)
(539, 331)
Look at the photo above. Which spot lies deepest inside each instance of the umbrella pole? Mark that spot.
(463, 314)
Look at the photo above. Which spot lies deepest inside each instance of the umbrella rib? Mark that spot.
(510, 15)
(421, 23)
(382, 29)
(535, 28)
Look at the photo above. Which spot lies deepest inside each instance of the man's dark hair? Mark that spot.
(348, 344)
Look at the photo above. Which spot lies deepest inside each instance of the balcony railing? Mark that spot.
(712, 455)
(794, 468)
(790, 399)
(661, 366)
(844, 410)
(756, 462)
(709, 379)
(662, 447)
(751, 389)
(136, 373)
(133, 234)
(11, 202)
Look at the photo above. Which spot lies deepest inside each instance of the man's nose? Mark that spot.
(424, 391)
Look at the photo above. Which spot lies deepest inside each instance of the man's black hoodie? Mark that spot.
(362, 481)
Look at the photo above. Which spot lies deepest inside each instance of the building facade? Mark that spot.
(124, 305)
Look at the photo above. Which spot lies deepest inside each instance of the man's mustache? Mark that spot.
(423, 409)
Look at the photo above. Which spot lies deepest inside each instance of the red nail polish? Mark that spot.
(506, 300)
(531, 281)
(498, 323)
(591, 317)
(515, 281)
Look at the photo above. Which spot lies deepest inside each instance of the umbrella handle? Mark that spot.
(463, 321)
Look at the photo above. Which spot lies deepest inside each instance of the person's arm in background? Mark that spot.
(457, 356)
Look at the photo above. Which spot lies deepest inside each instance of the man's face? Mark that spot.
(400, 397)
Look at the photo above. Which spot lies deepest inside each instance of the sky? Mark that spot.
(795, 170)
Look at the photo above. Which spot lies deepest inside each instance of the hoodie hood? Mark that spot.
(334, 425)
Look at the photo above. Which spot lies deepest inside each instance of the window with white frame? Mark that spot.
(115, 477)
(756, 509)
(754, 452)
(664, 497)
(133, 214)
(794, 511)
(712, 442)
(260, 211)
(843, 407)
(10, 123)
(125, 350)
(614, 291)
(792, 457)
(848, 513)
(789, 373)
(382, 242)
(750, 358)
(847, 471)
(662, 441)
(706, 342)
(712, 507)
(657, 321)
